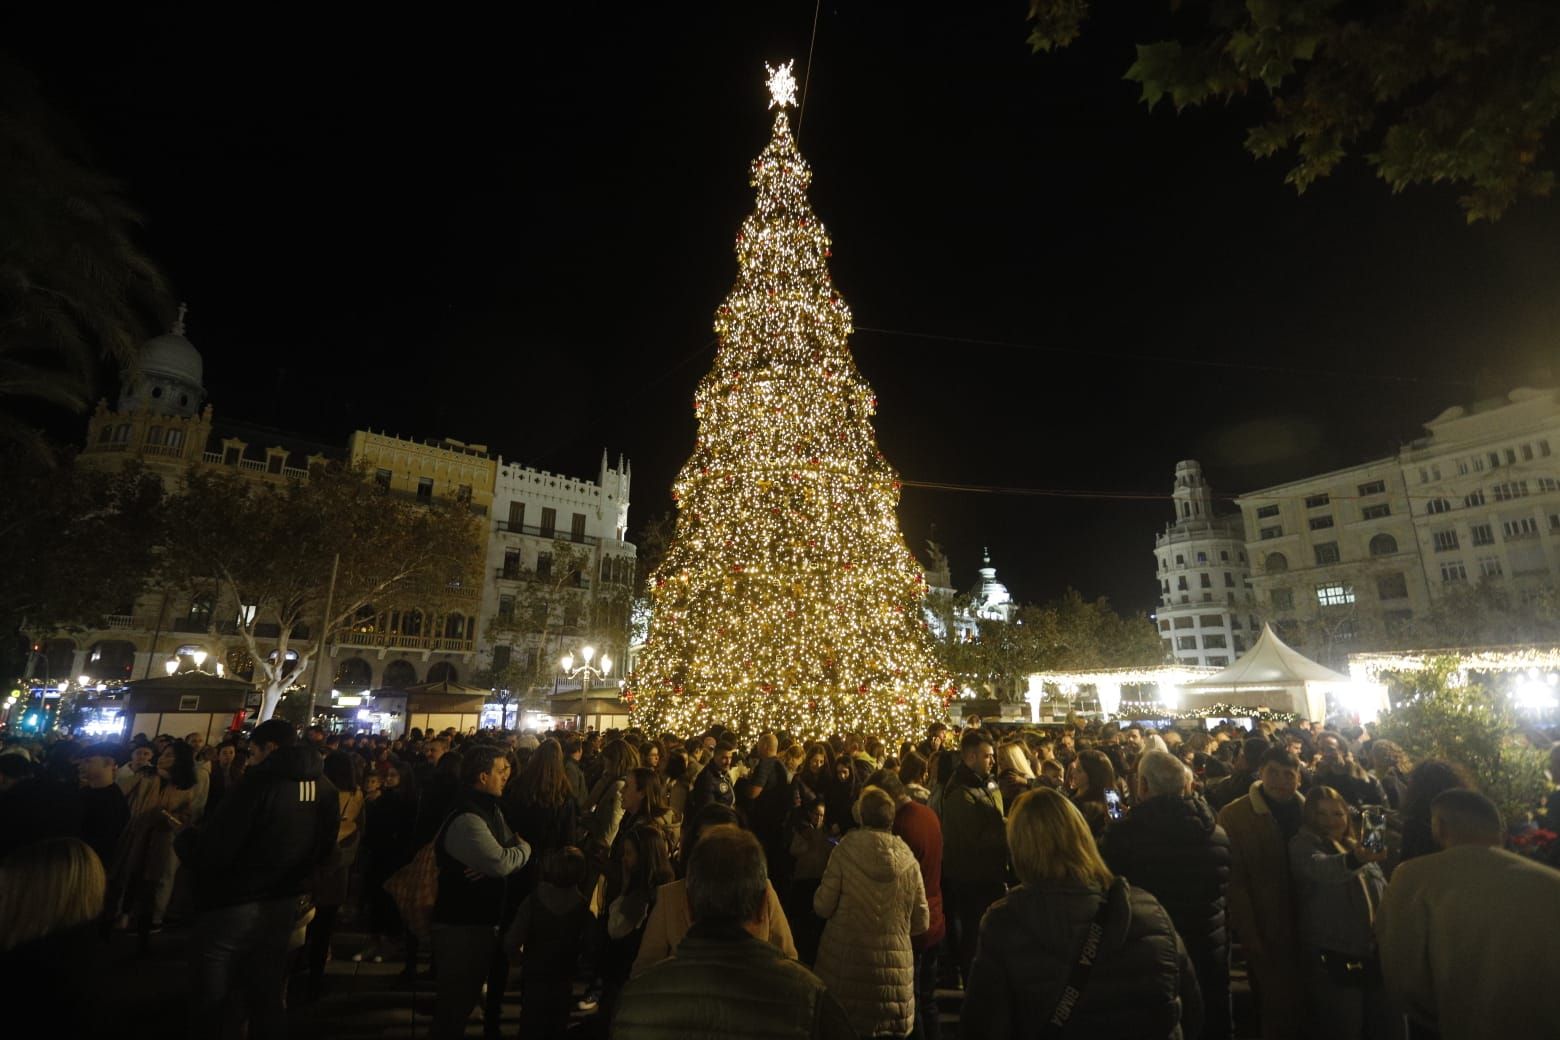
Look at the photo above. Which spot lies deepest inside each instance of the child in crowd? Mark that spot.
(551, 925)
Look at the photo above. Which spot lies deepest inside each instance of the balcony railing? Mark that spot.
(127, 623)
(523, 574)
(549, 532)
(394, 640)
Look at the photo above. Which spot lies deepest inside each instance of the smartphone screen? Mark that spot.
(1113, 804)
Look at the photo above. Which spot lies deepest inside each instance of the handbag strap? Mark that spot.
(1083, 965)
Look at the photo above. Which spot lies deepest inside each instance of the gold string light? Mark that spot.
(787, 599)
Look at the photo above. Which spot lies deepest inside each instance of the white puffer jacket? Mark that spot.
(874, 901)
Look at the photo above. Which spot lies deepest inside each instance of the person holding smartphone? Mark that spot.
(1339, 884)
(1094, 791)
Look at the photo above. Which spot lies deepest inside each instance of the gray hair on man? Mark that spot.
(1162, 773)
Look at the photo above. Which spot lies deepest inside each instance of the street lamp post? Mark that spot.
(586, 671)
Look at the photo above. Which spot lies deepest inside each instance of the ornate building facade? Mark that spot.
(1205, 614)
(163, 422)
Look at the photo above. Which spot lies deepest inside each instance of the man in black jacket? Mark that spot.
(1171, 846)
(713, 785)
(250, 860)
(1239, 782)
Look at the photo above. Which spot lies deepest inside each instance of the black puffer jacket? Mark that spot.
(1142, 985)
(269, 833)
(1174, 848)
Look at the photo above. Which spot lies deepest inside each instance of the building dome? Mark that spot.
(167, 379)
(174, 357)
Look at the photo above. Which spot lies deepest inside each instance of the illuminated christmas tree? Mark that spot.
(787, 599)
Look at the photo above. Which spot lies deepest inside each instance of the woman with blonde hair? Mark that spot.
(1073, 945)
(1015, 775)
(51, 903)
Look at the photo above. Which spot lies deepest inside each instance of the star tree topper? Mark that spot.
(782, 85)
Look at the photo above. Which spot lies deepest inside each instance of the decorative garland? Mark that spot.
(1214, 711)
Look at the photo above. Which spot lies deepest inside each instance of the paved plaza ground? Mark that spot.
(362, 1001)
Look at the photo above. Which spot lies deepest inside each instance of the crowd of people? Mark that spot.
(1092, 880)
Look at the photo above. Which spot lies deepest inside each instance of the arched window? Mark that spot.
(110, 659)
(442, 672)
(61, 657)
(1383, 545)
(366, 619)
(399, 675)
(201, 606)
(239, 664)
(289, 664)
(455, 626)
(355, 673)
(412, 623)
(1276, 563)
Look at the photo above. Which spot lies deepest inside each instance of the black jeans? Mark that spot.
(970, 900)
(927, 1025)
(1213, 978)
(241, 948)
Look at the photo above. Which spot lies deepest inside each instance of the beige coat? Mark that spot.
(874, 900)
(670, 920)
(1470, 943)
(1262, 911)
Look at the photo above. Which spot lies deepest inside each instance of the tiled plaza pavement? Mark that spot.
(361, 1000)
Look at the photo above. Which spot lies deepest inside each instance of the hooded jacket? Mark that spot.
(268, 834)
(874, 900)
(1174, 849)
(1141, 985)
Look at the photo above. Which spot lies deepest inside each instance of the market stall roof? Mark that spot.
(189, 682)
(187, 691)
(1274, 676)
(1271, 663)
(604, 703)
(445, 686)
(444, 696)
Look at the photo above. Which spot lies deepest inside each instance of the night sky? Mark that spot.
(515, 230)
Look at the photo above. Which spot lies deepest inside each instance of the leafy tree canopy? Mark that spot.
(1468, 724)
(74, 286)
(75, 544)
(1462, 92)
(273, 547)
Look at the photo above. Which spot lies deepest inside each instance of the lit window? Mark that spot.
(1334, 595)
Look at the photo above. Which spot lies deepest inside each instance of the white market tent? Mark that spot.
(1275, 676)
